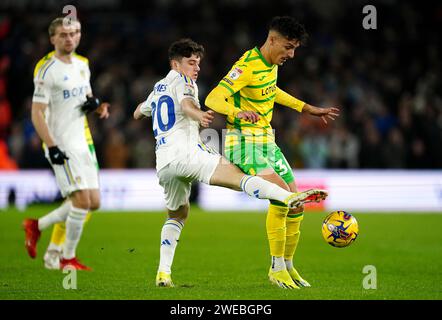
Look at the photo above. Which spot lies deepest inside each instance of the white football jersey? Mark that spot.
(63, 87)
(176, 134)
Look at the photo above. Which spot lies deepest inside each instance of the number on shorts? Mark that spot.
(281, 167)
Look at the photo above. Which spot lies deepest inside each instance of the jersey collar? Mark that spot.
(262, 57)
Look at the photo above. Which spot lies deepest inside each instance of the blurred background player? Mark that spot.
(52, 255)
(62, 98)
(251, 85)
(182, 157)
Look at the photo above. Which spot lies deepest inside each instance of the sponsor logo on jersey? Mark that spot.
(235, 73)
(268, 90)
(75, 92)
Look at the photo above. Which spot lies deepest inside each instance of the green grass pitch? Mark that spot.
(225, 256)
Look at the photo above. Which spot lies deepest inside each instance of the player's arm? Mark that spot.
(189, 107)
(137, 113)
(285, 99)
(93, 104)
(144, 109)
(39, 122)
(217, 99)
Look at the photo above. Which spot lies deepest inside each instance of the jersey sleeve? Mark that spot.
(186, 88)
(42, 89)
(287, 100)
(238, 77)
(146, 106)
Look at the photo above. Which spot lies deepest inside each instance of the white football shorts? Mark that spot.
(79, 172)
(176, 177)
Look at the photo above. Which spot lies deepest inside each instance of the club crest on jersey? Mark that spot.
(83, 74)
(235, 73)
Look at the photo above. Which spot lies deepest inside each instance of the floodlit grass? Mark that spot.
(225, 256)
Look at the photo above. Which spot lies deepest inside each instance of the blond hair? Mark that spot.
(57, 22)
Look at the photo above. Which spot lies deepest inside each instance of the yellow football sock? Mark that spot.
(293, 224)
(59, 232)
(276, 228)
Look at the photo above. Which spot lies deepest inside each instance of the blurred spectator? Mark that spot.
(116, 152)
(394, 152)
(344, 149)
(314, 150)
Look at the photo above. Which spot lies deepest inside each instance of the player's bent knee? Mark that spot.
(80, 199)
(180, 214)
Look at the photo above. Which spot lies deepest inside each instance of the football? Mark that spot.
(340, 229)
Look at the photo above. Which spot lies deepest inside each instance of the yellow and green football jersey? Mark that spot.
(252, 84)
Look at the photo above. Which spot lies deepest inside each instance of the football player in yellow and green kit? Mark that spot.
(251, 85)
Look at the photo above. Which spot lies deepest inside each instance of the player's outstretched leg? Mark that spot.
(297, 199)
(258, 187)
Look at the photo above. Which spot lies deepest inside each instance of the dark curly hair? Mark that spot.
(185, 48)
(289, 28)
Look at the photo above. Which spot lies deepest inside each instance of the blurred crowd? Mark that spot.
(387, 82)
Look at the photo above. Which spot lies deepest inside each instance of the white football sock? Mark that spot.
(58, 215)
(170, 235)
(259, 188)
(288, 264)
(278, 263)
(74, 228)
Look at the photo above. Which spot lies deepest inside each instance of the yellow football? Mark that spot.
(340, 229)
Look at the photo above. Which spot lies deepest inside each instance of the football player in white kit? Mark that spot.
(62, 98)
(181, 156)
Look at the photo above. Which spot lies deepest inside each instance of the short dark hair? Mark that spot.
(290, 28)
(185, 48)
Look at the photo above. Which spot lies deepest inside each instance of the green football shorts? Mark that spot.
(253, 157)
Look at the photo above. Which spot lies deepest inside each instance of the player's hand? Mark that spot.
(324, 113)
(207, 118)
(90, 105)
(248, 116)
(331, 113)
(56, 155)
(103, 110)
